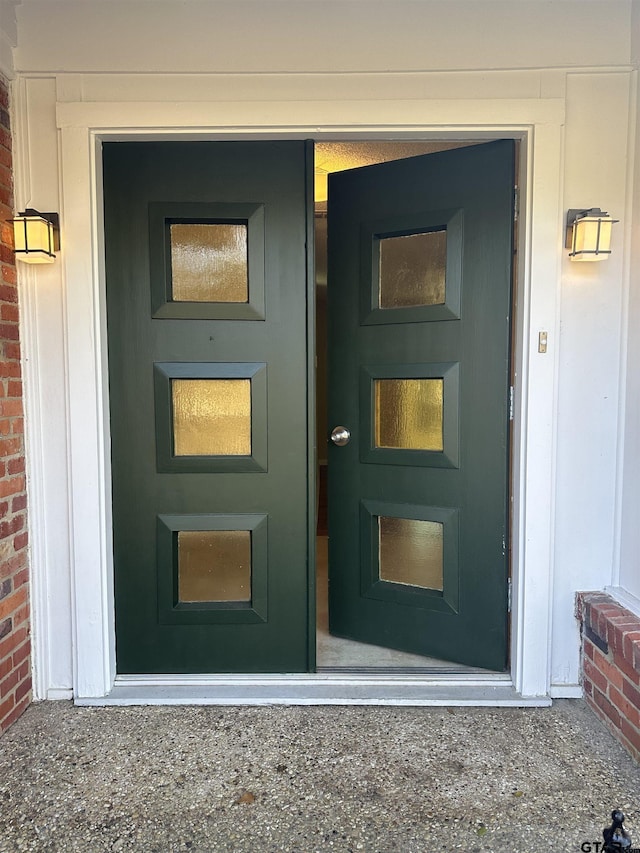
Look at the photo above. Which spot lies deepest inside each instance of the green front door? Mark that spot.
(420, 259)
(206, 307)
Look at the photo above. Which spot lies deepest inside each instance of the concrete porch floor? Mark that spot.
(303, 779)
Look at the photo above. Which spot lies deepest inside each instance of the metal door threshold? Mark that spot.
(316, 689)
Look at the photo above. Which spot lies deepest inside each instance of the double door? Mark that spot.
(210, 349)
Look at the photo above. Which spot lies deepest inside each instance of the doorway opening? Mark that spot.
(336, 653)
(415, 363)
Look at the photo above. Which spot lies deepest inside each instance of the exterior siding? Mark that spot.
(15, 643)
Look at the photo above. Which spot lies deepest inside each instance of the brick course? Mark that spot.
(611, 665)
(15, 643)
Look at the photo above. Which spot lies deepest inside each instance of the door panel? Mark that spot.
(206, 298)
(419, 301)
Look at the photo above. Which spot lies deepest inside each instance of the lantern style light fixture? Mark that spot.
(36, 236)
(589, 234)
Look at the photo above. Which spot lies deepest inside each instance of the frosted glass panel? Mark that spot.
(410, 552)
(409, 413)
(211, 417)
(214, 565)
(209, 263)
(412, 270)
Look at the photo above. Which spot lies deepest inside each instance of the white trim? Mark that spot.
(45, 388)
(621, 482)
(84, 125)
(33, 422)
(624, 598)
(566, 691)
(33, 289)
(195, 118)
(536, 408)
(89, 475)
(34, 455)
(58, 694)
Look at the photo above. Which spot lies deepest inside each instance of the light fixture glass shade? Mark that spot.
(591, 235)
(35, 237)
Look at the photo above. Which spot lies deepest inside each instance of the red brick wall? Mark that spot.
(15, 644)
(611, 665)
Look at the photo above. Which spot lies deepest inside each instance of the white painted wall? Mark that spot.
(629, 577)
(591, 300)
(320, 35)
(42, 298)
(114, 60)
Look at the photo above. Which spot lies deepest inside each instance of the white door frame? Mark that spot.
(83, 126)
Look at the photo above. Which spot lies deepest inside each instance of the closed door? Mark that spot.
(206, 297)
(419, 302)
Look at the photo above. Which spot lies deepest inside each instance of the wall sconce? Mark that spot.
(36, 236)
(589, 234)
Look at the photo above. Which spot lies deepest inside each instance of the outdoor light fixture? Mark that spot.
(589, 234)
(36, 236)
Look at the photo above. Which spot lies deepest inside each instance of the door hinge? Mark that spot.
(509, 588)
(510, 402)
(516, 203)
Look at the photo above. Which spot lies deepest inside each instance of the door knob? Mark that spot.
(340, 435)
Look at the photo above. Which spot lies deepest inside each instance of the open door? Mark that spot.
(419, 302)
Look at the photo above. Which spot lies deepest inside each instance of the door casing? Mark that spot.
(94, 669)
(312, 473)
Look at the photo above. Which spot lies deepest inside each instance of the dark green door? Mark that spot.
(420, 255)
(206, 274)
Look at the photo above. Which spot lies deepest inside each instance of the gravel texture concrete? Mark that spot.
(304, 779)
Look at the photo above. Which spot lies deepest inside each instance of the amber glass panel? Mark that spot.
(410, 552)
(209, 263)
(409, 413)
(214, 565)
(412, 270)
(211, 417)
